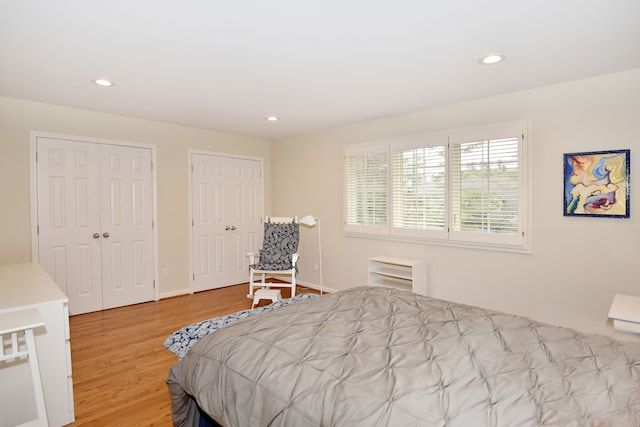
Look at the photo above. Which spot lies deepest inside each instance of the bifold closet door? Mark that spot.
(226, 199)
(95, 235)
(127, 225)
(68, 175)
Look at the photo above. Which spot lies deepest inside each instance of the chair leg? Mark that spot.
(251, 283)
(293, 285)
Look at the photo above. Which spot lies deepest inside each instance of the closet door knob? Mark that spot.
(105, 234)
(96, 235)
(233, 227)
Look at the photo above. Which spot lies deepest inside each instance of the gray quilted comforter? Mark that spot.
(379, 357)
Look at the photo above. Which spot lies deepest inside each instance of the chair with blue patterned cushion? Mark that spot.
(278, 255)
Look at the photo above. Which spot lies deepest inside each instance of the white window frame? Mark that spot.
(516, 242)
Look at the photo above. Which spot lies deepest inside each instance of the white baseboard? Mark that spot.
(174, 293)
(316, 287)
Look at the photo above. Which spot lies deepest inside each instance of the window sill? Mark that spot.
(527, 250)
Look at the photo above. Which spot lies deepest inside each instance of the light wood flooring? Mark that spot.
(118, 361)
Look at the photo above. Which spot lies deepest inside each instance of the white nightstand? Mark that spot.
(625, 312)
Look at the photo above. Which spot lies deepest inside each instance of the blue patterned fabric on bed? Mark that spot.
(180, 341)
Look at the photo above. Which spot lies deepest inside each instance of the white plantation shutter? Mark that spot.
(419, 191)
(366, 189)
(466, 188)
(486, 190)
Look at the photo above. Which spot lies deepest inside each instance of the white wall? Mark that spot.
(18, 118)
(577, 265)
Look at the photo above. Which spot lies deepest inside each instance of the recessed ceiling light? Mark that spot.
(103, 82)
(271, 118)
(492, 59)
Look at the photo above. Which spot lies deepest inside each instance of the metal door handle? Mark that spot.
(96, 235)
(105, 234)
(233, 227)
(227, 228)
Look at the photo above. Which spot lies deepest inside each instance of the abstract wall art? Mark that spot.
(597, 184)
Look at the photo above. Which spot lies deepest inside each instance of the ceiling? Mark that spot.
(226, 65)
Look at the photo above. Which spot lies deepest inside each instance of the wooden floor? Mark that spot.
(118, 361)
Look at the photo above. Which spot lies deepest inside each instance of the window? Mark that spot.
(461, 188)
(419, 187)
(366, 171)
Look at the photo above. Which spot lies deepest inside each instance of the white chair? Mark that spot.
(278, 255)
(14, 326)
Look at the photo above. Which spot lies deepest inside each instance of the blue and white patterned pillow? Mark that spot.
(279, 244)
(180, 341)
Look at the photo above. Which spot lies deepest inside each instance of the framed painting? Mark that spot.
(597, 184)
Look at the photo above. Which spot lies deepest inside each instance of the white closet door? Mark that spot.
(68, 182)
(227, 206)
(95, 234)
(245, 177)
(127, 225)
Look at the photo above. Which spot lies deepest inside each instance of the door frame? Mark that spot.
(33, 189)
(190, 153)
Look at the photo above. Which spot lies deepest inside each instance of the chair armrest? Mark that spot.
(294, 259)
(252, 257)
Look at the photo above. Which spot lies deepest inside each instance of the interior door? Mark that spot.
(95, 235)
(127, 225)
(226, 199)
(69, 245)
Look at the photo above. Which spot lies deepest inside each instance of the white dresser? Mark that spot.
(27, 286)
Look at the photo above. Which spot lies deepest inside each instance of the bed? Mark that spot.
(371, 356)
